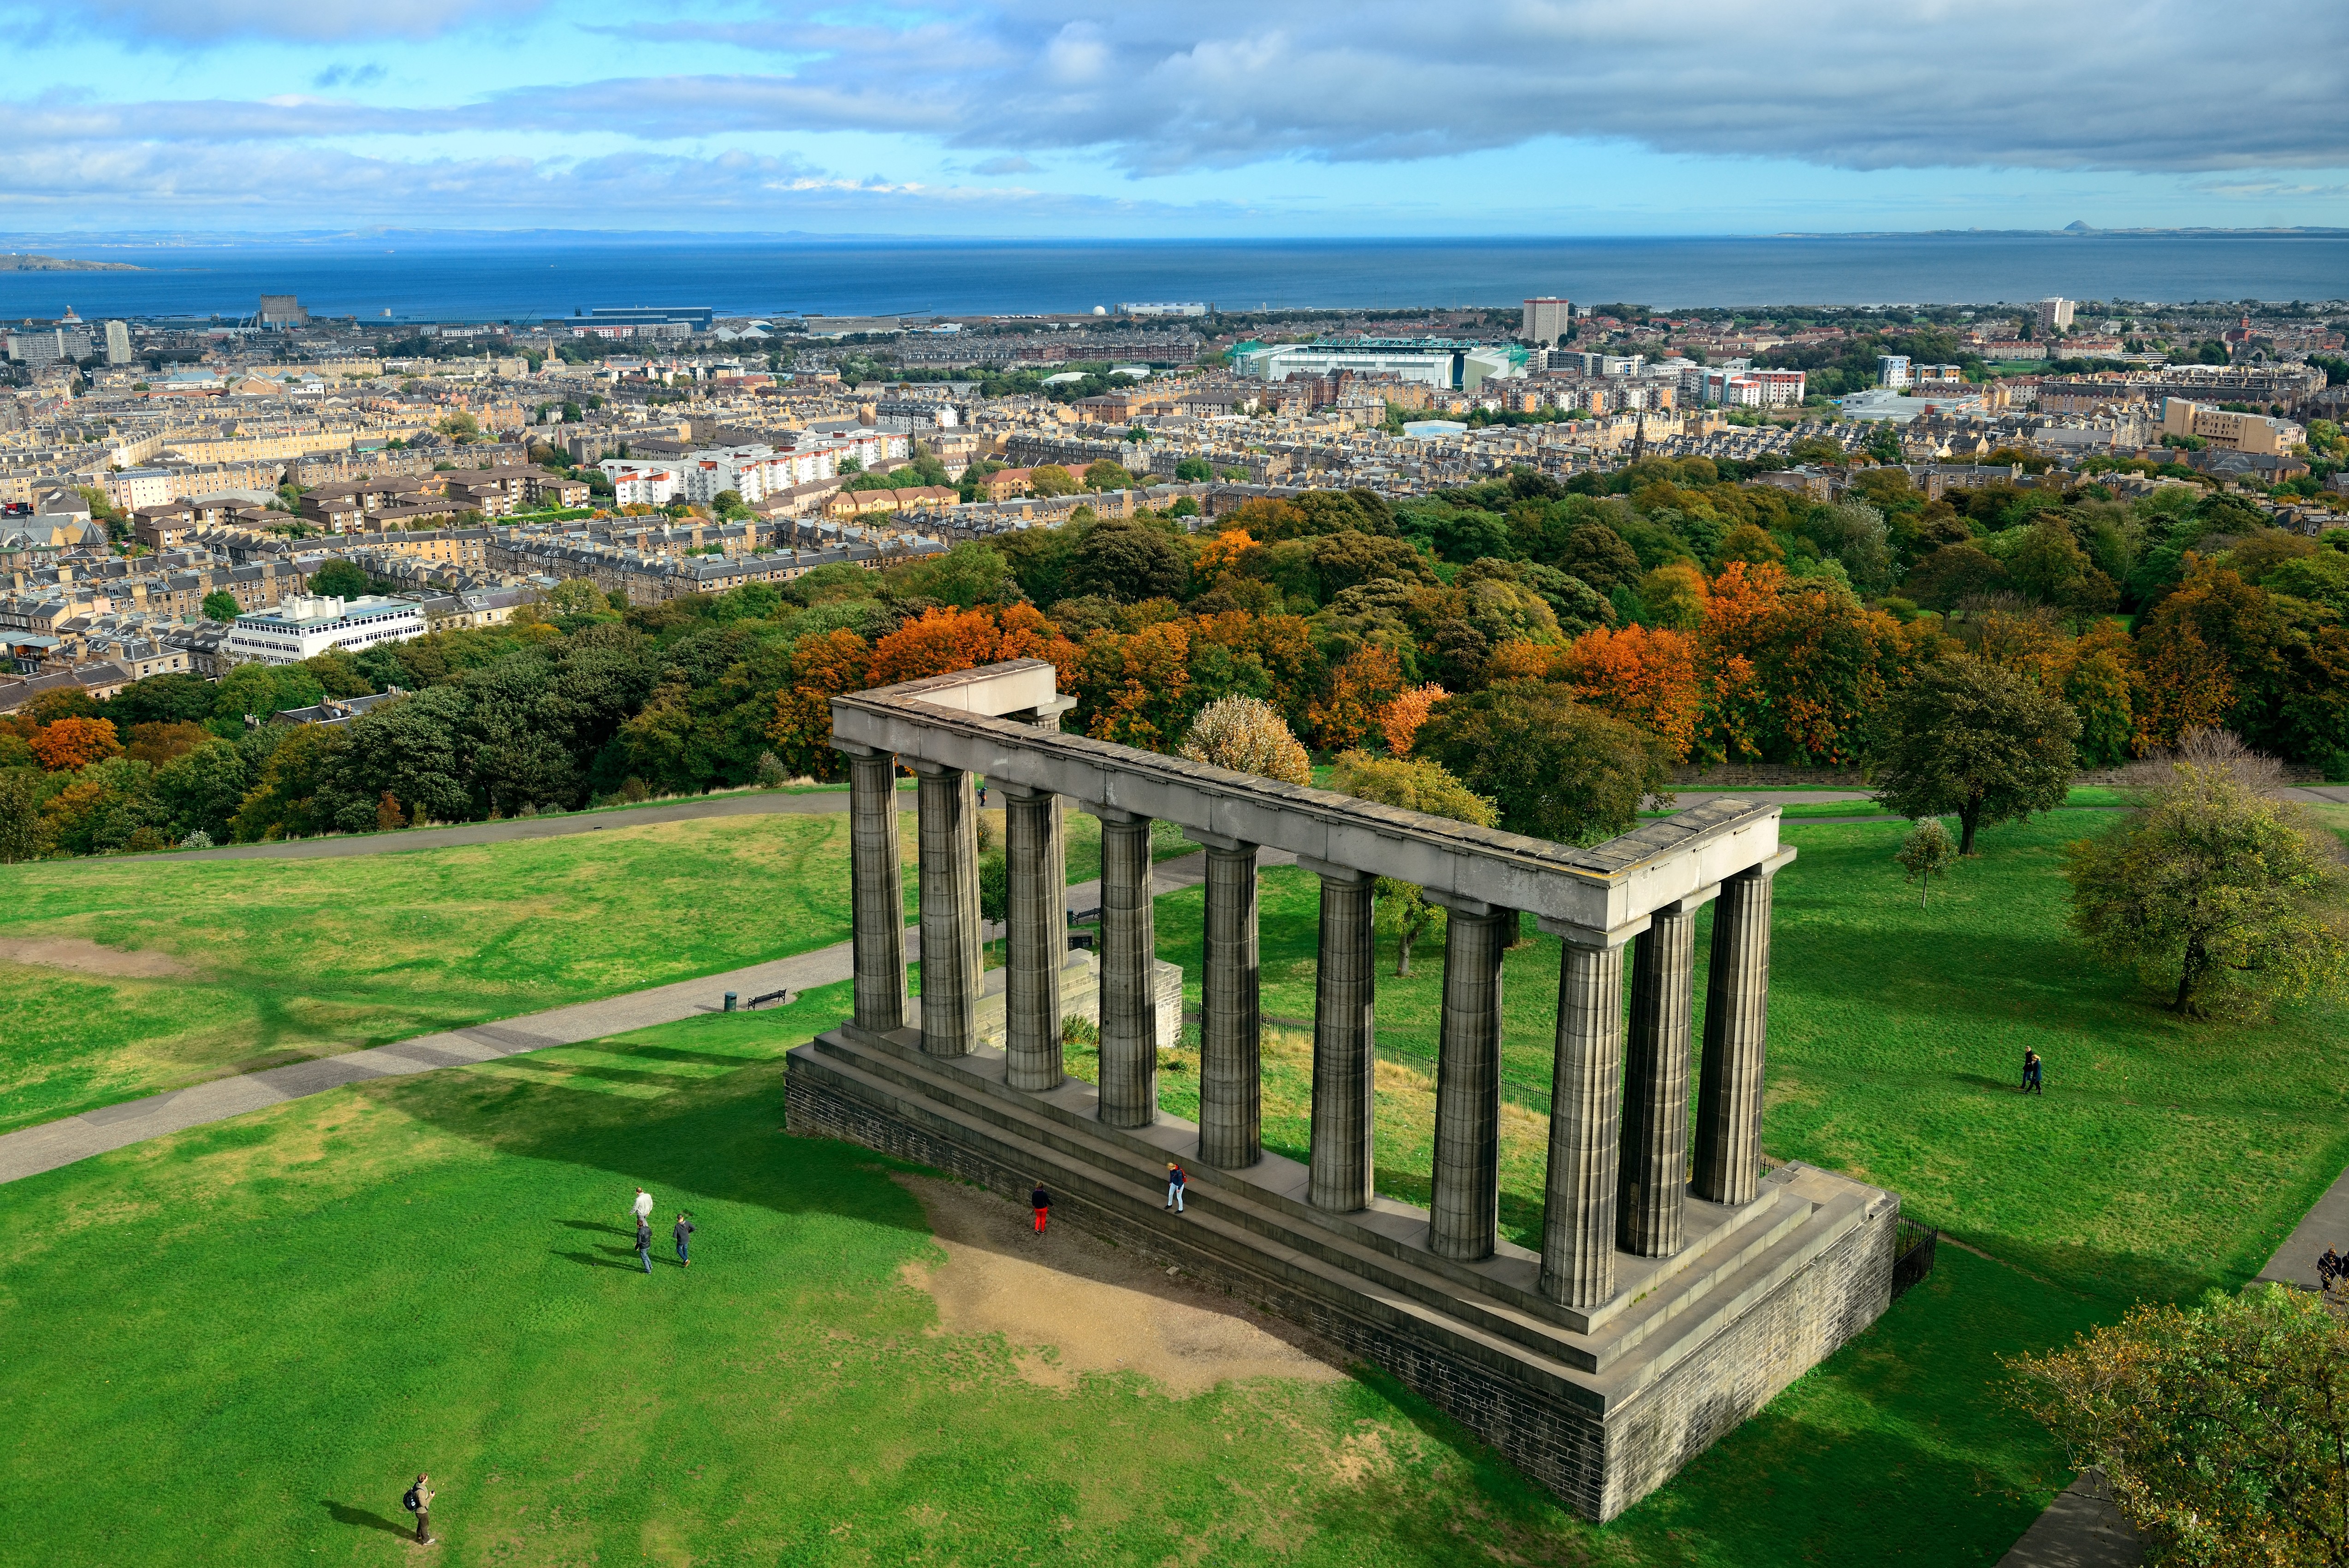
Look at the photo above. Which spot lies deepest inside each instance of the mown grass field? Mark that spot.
(299, 1309)
(280, 961)
(246, 1339)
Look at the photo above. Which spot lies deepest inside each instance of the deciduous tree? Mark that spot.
(2216, 888)
(2223, 1428)
(1413, 784)
(1555, 768)
(1926, 853)
(1246, 735)
(1969, 737)
(66, 744)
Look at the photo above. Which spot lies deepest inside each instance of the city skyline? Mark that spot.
(1025, 119)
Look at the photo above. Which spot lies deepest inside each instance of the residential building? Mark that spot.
(301, 627)
(1546, 320)
(2230, 432)
(118, 343)
(2055, 315)
(1892, 370)
(137, 487)
(641, 484)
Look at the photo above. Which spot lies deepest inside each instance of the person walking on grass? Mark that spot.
(2031, 1083)
(643, 1208)
(1041, 1202)
(419, 1502)
(684, 1229)
(645, 1242)
(1175, 1182)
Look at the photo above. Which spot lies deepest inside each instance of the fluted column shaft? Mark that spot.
(1038, 905)
(1231, 1081)
(877, 891)
(1128, 1018)
(1464, 1204)
(1652, 1190)
(1345, 1056)
(1736, 1016)
(1578, 1266)
(950, 928)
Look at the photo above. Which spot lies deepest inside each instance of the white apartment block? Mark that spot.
(1893, 370)
(2056, 313)
(641, 484)
(301, 627)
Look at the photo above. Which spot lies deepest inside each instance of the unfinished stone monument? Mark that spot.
(1679, 1284)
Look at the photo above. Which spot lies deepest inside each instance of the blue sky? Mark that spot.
(1211, 117)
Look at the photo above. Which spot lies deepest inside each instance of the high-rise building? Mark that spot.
(2055, 314)
(118, 343)
(283, 310)
(1546, 320)
(1892, 369)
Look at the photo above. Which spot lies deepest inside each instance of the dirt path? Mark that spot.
(80, 953)
(1071, 1305)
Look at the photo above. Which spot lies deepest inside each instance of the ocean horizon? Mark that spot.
(527, 277)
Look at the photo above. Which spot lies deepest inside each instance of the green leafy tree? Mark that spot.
(340, 580)
(1127, 560)
(1926, 853)
(220, 605)
(1108, 476)
(1974, 739)
(200, 790)
(1193, 471)
(2216, 887)
(1412, 783)
(2223, 1428)
(1554, 768)
(1051, 479)
(24, 831)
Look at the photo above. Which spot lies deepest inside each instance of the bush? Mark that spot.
(1247, 735)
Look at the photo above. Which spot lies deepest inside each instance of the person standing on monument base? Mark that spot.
(1041, 1202)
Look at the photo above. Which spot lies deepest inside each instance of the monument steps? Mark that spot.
(1666, 1313)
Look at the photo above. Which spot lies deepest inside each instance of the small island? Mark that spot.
(15, 263)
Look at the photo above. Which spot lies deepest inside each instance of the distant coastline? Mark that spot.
(21, 262)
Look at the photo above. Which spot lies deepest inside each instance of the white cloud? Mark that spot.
(311, 21)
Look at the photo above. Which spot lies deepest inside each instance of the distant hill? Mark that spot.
(13, 262)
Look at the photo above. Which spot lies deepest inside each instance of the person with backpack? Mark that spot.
(1041, 1202)
(419, 1502)
(645, 1242)
(1176, 1181)
(684, 1229)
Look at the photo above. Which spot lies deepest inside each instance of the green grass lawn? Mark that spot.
(250, 1336)
(312, 1303)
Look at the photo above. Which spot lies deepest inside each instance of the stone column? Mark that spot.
(1039, 939)
(1231, 1081)
(1652, 1189)
(1464, 1207)
(950, 928)
(1128, 1018)
(877, 890)
(1577, 1267)
(1345, 1046)
(1736, 1010)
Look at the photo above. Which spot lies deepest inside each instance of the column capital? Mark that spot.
(1022, 791)
(1045, 715)
(1772, 867)
(1200, 835)
(1590, 935)
(1342, 875)
(930, 770)
(852, 749)
(1117, 815)
(1461, 904)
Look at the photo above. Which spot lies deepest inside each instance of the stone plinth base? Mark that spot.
(1081, 998)
(1602, 1406)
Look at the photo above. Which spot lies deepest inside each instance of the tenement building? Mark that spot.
(1679, 1284)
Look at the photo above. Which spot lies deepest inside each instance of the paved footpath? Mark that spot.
(2326, 1225)
(31, 1150)
(2081, 1529)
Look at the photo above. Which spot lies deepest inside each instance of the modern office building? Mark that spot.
(1546, 320)
(282, 311)
(1892, 370)
(1441, 362)
(300, 628)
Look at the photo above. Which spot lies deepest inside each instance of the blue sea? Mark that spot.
(421, 277)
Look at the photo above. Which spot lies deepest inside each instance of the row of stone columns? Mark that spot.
(1620, 1146)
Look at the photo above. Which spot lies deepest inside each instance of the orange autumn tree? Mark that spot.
(937, 643)
(1399, 718)
(1362, 683)
(65, 744)
(1645, 676)
(1133, 688)
(822, 666)
(1221, 555)
(1792, 668)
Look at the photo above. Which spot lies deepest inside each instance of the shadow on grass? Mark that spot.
(606, 1258)
(360, 1518)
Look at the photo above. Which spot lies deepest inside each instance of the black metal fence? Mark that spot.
(1912, 1255)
